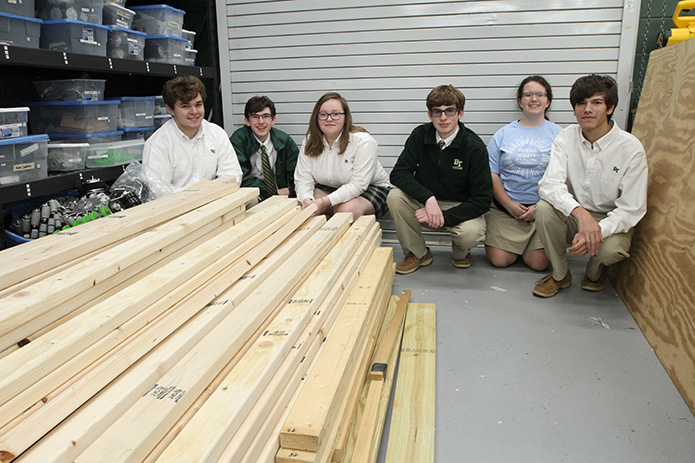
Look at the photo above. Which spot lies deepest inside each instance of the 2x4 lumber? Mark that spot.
(262, 420)
(372, 416)
(60, 248)
(19, 309)
(207, 434)
(411, 431)
(87, 421)
(133, 436)
(104, 325)
(306, 426)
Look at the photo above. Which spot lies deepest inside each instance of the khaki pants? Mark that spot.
(556, 231)
(464, 236)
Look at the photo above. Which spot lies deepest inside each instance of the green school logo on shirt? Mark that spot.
(615, 169)
(458, 164)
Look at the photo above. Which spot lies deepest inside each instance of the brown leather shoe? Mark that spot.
(412, 263)
(463, 263)
(548, 286)
(598, 285)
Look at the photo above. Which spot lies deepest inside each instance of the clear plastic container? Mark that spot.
(66, 157)
(160, 107)
(138, 133)
(190, 38)
(20, 31)
(73, 117)
(117, 15)
(114, 154)
(160, 120)
(89, 11)
(164, 49)
(71, 89)
(74, 37)
(125, 44)
(18, 7)
(158, 20)
(135, 111)
(90, 138)
(189, 55)
(13, 122)
(23, 159)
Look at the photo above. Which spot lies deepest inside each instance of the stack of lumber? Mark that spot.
(182, 329)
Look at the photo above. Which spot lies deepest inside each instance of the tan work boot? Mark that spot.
(463, 263)
(598, 285)
(412, 263)
(548, 286)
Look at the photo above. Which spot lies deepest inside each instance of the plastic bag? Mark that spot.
(138, 182)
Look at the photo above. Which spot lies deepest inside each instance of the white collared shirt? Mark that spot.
(448, 140)
(257, 162)
(351, 172)
(609, 175)
(183, 161)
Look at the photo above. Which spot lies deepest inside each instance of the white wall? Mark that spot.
(385, 56)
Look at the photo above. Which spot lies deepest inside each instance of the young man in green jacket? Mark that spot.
(442, 180)
(267, 155)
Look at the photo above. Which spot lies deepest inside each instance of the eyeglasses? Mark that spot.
(450, 112)
(265, 116)
(335, 116)
(532, 94)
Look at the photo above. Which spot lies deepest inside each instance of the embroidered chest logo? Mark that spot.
(616, 169)
(212, 150)
(458, 164)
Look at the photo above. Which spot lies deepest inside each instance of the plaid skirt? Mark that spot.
(374, 194)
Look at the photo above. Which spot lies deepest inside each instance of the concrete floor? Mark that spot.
(526, 379)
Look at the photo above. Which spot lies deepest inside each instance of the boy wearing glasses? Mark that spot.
(187, 148)
(442, 180)
(594, 191)
(267, 155)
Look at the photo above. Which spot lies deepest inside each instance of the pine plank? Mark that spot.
(20, 308)
(29, 365)
(142, 426)
(411, 431)
(60, 248)
(316, 407)
(95, 416)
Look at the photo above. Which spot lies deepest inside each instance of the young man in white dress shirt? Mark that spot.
(594, 190)
(187, 148)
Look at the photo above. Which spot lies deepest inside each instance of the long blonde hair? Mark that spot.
(314, 143)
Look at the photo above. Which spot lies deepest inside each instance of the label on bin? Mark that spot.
(133, 47)
(174, 24)
(90, 95)
(10, 130)
(88, 35)
(23, 166)
(29, 149)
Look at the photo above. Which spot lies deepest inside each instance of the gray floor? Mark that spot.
(526, 379)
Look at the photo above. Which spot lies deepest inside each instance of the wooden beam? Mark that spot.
(411, 432)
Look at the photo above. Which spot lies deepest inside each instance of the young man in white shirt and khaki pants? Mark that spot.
(594, 190)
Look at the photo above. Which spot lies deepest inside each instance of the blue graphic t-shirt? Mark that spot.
(520, 156)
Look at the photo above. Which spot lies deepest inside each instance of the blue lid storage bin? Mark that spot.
(91, 138)
(114, 154)
(125, 44)
(71, 89)
(20, 31)
(13, 122)
(74, 37)
(158, 20)
(89, 11)
(138, 133)
(66, 157)
(23, 159)
(18, 7)
(165, 49)
(73, 117)
(135, 111)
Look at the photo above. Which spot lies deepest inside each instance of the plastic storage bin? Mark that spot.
(138, 133)
(73, 117)
(71, 89)
(74, 37)
(91, 138)
(23, 159)
(164, 49)
(160, 106)
(117, 15)
(13, 122)
(158, 20)
(114, 154)
(18, 7)
(89, 11)
(20, 31)
(66, 157)
(135, 111)
(125, 44)
(190, 38)
(160, 120)
(189, 55)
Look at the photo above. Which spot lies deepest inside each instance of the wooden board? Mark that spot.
(656, 281)
(411, 431)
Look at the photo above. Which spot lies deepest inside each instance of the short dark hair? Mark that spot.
(184, 89)
(256, 104)
(541, 80)
(588, 86)
(445, 95)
